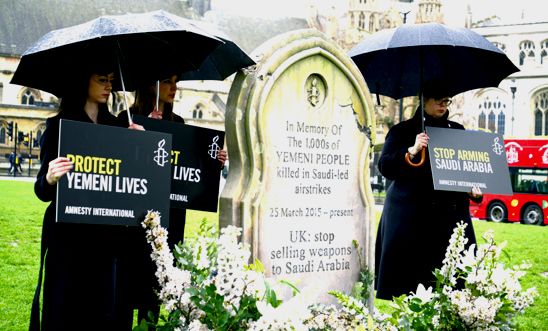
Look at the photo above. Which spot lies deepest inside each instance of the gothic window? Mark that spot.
(1, 91)
(492, 114)
(526, 52)
(119, 103)
(491, 125)
(361, 21)
(544, 52)
(501, 123)
(28, 98)
(541, 113)
(545, 123)
(481, 120)
(197, 112)
(500, 46)
(2, 135)
(36, 142)
(372, 23)
(538, 123)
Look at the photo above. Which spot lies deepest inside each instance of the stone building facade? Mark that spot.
(200, 103)
(519, 107)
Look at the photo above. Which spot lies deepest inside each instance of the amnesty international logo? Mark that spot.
(161, 155)
(214, 148)
(498, 148)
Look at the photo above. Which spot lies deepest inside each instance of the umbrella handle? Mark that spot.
(416, 165)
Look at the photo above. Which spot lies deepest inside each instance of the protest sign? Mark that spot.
(118, 174)
(461, 159)
(196, 172)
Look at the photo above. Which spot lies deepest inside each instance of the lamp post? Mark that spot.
(513, 89)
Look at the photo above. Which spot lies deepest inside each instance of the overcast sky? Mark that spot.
(264, 8)
(509, 10)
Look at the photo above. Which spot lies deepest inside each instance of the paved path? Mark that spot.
(18, 178)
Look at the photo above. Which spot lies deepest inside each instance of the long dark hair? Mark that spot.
(145, 100)
(74, 97)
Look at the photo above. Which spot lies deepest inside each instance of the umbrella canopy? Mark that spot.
(223, 62)
(135, 43)
(396, 62)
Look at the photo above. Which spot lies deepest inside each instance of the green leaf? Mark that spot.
(415, 307)
(256, 266)
(293, 287)
(143, 326)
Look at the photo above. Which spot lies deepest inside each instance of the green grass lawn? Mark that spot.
(20, 228)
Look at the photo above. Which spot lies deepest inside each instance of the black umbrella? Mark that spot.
(400, 62)
(396, 62)
(135, 43)
(223, 62)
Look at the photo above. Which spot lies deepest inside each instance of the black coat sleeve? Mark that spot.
(392, 162)
(122, 119)
(48, 152)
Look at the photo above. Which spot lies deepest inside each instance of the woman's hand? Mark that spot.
(135, 126)
(421, 141)
(476, 192)
(156, 114)
(222, 156)
(57, 168)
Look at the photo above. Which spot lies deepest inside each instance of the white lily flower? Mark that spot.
(425, 295)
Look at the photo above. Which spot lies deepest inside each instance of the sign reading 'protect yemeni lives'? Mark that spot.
(462, 159)
(118, 174)
(195, 171)
(299, 135)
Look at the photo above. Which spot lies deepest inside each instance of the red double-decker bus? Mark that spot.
(528, 165)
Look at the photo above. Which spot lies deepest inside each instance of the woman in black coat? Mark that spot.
(85, 280)
(417, 221)
(155, 100)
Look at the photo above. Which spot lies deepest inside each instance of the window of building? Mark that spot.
(501, 123)
(544, 52)
(526, 52)
(119, 104)
(538, 123)
(36, 142)
(541, 113)
(361, 21)
(28, 98)
(197, 112)
(492, 114)
(1, 92)
(545, 123)
(500, 46)
(481, 119)
(491, 121)
(3, 135)
(372, 23)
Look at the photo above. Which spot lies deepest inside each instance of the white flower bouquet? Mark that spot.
(474, 291)
(209, 286)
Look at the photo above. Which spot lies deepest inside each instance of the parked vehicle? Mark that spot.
(528, 165)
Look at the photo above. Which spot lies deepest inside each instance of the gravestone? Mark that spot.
(299, 135)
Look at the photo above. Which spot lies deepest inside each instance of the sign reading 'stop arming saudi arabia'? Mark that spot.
(463, 159)
(196, 172)
(118, 174)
